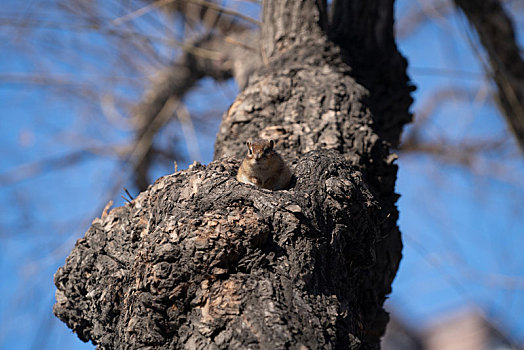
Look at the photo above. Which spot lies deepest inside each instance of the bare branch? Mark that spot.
(417, 16)
(29, 170)
(496, 33)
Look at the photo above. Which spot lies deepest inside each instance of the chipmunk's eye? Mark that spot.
(249, 151)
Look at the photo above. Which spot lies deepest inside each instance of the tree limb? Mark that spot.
(495, 30)
(364, 31)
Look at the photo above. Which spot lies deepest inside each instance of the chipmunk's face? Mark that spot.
(259, 150)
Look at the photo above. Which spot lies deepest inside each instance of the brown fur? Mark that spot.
(264, 167)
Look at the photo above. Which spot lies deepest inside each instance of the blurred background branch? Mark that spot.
(496, 33)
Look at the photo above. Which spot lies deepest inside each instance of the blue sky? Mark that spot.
(462, 230)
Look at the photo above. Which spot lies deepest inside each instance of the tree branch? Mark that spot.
(495, 30)
(285, 22)
(364, 31)
(172, 83)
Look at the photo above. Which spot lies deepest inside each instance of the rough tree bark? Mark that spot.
(202, 261)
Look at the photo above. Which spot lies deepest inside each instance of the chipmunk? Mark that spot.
(264, 167)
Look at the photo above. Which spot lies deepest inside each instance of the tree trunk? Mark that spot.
(200, 260)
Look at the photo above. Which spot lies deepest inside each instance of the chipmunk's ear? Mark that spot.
(271, 144)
